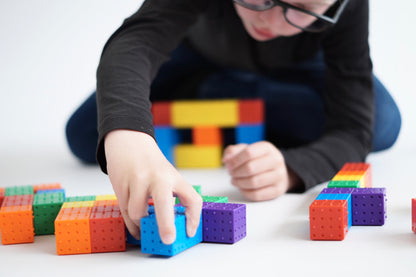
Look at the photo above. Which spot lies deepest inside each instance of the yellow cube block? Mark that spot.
(220, 113)
(194, 156)
(105, 197)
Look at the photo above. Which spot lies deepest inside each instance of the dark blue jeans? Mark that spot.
(294, 106)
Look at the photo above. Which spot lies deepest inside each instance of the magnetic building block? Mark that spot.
(46, 207)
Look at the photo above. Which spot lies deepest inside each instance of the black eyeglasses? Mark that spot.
(310, 19)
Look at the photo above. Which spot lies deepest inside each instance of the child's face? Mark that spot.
(269, 24)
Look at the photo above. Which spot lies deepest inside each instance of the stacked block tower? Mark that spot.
(349, 200)
(27, 211)
(208, 121)
(94, 224)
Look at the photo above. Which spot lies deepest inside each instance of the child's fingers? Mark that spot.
(232, 150)
(257, 181)
(162, 199)
(250, 152)
(136, 207)
(193, 206)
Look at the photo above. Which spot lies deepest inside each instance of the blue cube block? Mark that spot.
(249, 133)
(152, 244)
(167, 138)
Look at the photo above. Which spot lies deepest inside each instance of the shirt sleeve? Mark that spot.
(130, 61)
(348, 100)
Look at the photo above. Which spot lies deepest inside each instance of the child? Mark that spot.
(308, 59)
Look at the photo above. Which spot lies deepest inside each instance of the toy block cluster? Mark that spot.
(349, 200)
(221, 222)
(207, 123)
(27, 211)
(90, 224)
(94, 224)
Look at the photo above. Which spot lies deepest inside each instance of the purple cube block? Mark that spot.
(368, 206)
(223, 222)
(338, 190)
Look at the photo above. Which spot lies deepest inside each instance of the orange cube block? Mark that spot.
(16, 224)
(206, 135)
(72, 231)
(251, 111)
(46, 187)
(161, 112)
(328, 219)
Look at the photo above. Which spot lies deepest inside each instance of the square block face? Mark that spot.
(80, 198)
(369, 206)
(19, 190)
(251, 111)
(209, 135)
(338, 190)
(46, 207)
(249, 133)
(16, 224)
(107, 230)
(152, 244)
(72, 231)
(224, 222)
(328, 219)
(161, 113)
(215, 199)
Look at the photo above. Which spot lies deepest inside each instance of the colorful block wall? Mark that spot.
(208, 121)
(26, 211)
(349, 200)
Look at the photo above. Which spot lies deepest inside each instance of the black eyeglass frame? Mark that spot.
(328, 20)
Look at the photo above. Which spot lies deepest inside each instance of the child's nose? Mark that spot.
(273, 17)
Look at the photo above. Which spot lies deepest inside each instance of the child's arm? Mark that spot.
(137, 170)
(259, 170)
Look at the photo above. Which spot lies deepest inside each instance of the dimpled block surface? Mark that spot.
(107, 227)
(152, 244)
(369, 206)
(223, 222)
(328, 219)
(46, 207)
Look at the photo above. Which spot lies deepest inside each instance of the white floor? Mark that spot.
(49, 52)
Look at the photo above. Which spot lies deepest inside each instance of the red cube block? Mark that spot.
(328, 219)
(107, 229)
(251, 111)
(161, 112)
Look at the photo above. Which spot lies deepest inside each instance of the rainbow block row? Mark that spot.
(349, 200)
(191, 134)
(27, 211)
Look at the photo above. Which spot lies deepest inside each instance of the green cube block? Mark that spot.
(46, 207)
(344, 184)
(198, 190)
(215, 199)
(19, 190)
(80, 198)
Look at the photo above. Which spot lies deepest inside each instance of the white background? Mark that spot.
(49, 52)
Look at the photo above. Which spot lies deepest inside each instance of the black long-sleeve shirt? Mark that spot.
(134, 53)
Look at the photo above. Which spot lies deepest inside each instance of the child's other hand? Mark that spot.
(137, 170)
(258, 170)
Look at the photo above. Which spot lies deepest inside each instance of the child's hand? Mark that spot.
(137, 170)
(258, 170)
